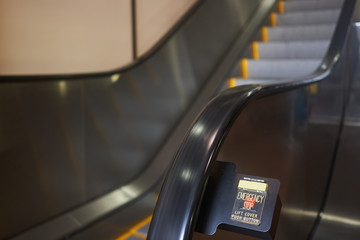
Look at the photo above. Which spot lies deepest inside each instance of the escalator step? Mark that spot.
(307, 17)
(144, 230)
(269, 69)
(293, 6)
(291, 50)
(135, 238)
(139, 231)
(300, 33)
(235, 82)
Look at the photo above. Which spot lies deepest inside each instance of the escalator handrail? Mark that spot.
(181, 194)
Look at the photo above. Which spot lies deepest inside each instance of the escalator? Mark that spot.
(83, 155)
(89, 153)
(289, 120)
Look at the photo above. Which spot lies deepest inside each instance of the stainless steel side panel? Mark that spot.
(291, 137)
(341, 217)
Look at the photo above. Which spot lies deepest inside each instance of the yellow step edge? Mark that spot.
(231, 83)
(133, 230)
(264, 34)
(124, 236)
(255, 50)
(314, 88)
(281, 7)
(244, 68)
(273, 19)
(139, 235)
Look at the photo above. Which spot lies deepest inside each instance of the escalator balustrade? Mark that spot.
(293, 46)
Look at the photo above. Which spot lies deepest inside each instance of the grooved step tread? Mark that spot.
(274, 69)
(308, 17)
(292, 50)
(234, 82)
(300, 33)
(292, 6)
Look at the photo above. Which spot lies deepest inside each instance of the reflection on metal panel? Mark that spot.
(276, 137)
(341, 219)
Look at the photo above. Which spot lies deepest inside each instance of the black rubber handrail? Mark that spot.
(178, 204)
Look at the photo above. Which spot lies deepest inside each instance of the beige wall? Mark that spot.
(79, 36)
(155, 18)
(67, 36)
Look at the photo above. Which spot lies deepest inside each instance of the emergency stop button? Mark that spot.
(240, 203)
(250, 201)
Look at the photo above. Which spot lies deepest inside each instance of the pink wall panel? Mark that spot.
(155, 17)
(67, 36)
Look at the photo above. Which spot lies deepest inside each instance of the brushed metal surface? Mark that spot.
(275, 137)
(176, 210)
(341, 219)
